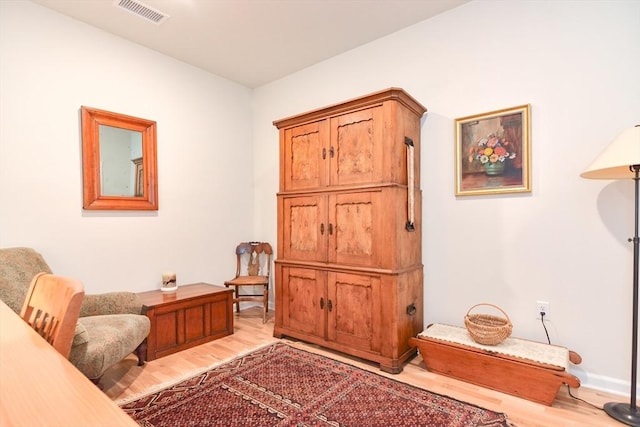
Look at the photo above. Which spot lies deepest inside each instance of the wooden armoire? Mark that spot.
(348, 273)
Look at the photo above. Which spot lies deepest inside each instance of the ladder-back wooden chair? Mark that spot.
(52, 308)
(253, 266)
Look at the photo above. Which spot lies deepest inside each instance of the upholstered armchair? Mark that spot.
(110, 326)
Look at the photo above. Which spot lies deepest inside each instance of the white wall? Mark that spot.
(50, 65)
(577, 64)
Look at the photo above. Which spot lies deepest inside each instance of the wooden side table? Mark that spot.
(189, 316)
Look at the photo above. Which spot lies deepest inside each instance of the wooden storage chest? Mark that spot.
(191, 315)
(527, 369)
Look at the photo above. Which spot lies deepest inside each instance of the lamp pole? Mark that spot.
(622, 412)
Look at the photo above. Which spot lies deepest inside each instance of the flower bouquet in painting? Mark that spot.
(492, 151)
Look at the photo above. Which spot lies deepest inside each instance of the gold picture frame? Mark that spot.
(493, 152)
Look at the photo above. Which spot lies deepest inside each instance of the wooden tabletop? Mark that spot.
(39, 387)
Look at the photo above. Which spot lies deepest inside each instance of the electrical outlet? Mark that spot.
(542, 306)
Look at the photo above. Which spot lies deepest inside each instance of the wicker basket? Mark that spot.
(486, 328)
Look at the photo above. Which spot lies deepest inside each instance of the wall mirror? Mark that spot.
(119, 165)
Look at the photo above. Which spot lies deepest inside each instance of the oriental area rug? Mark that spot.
(280, 385)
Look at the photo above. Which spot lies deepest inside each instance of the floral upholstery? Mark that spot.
(124, 332)
(110, 327)
(110, 303)
(17, 268)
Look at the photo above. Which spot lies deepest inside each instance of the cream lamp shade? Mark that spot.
(614, 161)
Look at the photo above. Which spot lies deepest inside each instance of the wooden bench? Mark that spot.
(527, 369)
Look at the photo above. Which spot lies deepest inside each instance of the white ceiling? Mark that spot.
(254, 42)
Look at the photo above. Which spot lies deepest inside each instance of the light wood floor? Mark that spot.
(126, 380)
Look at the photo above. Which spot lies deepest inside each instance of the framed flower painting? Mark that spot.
(493, 152)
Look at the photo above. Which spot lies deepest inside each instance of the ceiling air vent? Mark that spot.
(142, 10)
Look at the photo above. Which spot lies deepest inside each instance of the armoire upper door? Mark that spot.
(356, 147)
(305, 156)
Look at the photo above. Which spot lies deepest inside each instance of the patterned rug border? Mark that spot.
(199, 371)
(174, 381)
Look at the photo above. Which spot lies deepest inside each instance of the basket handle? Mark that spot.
(490, 305)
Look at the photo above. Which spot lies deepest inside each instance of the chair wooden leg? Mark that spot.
(238, 302)
(141, 352)
(265, 302)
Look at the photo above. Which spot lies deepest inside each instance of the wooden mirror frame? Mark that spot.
(93, 199)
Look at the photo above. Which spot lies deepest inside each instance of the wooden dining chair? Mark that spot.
(253, 267)
(52, 308)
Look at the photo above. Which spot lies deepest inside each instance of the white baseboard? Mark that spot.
(603, 383)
